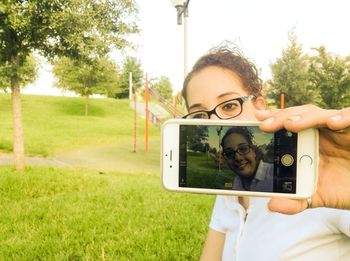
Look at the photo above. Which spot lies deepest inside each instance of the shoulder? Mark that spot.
(265, 165)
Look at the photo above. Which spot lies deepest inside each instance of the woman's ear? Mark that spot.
(260, 103)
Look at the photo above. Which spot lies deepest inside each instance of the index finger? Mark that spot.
(295, 118)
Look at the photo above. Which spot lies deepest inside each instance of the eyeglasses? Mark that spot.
(224, 111)
(242, 149)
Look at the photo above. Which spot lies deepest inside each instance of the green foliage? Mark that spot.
(322, 79)
(59, 124)
(163, 87)
(86, 78)
(131, 64)
(27, 73)
(78, 29)
(197, 138)
(72, 28)
(330, 74)
(66, 214)
(290, 77)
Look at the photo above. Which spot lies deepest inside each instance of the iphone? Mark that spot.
(231, 157)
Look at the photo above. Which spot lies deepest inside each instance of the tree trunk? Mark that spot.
(86, 104)
(18, 141)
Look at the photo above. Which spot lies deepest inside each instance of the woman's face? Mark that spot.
(214, 85)
(244, 165)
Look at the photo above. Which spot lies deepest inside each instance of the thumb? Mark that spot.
(287, 206)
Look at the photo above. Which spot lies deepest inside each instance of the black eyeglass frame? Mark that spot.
(236, 151)
(241, 100)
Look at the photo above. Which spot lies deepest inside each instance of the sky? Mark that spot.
(260, 28)
(260, 138)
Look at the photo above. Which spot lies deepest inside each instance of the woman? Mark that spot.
(244, 159)
(321, 231)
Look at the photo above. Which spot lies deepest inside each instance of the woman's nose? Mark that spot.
(214, 117)
(237, 156)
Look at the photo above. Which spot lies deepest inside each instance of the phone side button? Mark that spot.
(305, 160)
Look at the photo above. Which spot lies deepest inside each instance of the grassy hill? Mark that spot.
(82, 214)
(53, 124)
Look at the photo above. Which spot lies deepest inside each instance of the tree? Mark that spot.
(131, 64)
(331, 75)
(86, 78)
(197, 138)
(27, 73)
(163, 87)
(290, 77)
(78, 29)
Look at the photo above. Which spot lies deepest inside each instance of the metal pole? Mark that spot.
(130, 85)
(135, 129)
(218, 130)
(185, 38)
(146, 111)
(175, 101)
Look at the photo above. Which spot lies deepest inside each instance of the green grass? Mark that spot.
(66, 214)
(119, 213)
(54, 124)
(203, 172)
(115, 157)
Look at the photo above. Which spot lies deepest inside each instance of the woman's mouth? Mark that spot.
(241, 165)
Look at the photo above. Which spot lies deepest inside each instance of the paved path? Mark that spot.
(7, 159)
(102, 158)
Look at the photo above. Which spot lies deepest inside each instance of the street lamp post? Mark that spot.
(182, 10)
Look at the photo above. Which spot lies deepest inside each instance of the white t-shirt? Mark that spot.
(263, 180)
(321, 234)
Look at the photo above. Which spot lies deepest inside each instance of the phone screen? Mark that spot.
(237, 158)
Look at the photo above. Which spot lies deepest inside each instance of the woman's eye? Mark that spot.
(199, 116)
(229, 106)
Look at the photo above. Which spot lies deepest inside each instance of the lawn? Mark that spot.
(203, 172)
(70, 214)
(120, 213)
(54, 124)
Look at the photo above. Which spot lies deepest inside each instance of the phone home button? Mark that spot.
(287, 160)
(305, 160)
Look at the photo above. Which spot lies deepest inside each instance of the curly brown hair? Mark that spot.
(232, 59)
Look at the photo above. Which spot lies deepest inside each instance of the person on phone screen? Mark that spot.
(253, 228)
(245, 160)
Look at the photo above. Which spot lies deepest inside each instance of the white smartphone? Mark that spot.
(236, 158)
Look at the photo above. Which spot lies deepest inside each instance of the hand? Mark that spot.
(333, 189)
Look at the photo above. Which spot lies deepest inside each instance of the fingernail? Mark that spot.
(336, 117)
(269, 120)
(294, 118)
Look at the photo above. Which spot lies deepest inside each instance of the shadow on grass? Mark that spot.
(77, 108)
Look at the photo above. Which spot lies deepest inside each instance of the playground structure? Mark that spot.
(154, 112)
(158, 111)
(172, 108)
